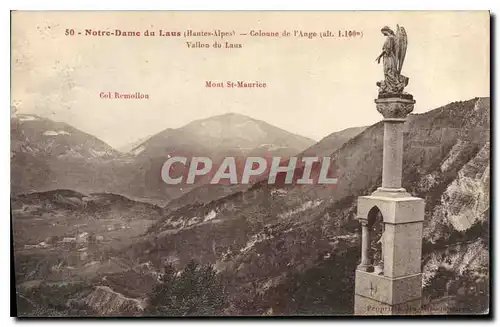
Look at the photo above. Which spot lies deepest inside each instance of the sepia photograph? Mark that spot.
(250, 163)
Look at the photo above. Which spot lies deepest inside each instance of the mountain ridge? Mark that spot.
(49, 155)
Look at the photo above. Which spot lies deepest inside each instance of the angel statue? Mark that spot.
(393, 55)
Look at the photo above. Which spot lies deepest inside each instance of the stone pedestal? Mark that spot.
(398, 289)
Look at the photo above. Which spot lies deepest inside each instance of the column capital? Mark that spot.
(395, 108)
(363, 222)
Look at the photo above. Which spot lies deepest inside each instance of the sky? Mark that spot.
(314, 86)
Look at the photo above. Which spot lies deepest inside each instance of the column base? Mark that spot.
(379, 295)
(390, 190)
(367, 268)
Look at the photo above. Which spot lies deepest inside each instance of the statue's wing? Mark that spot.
(397, 45)
(401, 45)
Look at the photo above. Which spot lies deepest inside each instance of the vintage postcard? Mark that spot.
(263, 163)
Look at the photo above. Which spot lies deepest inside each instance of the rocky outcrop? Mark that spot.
(456, 258)
(467, 197)
(107, 302)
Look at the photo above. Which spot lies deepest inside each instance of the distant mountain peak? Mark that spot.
(232, 114)
(238, 131)
(232, 117)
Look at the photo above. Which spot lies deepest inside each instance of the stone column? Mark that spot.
(394, 111)
(366, 264)
(393, 154)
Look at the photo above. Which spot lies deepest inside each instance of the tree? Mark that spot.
(475, 283)
(196, 291)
